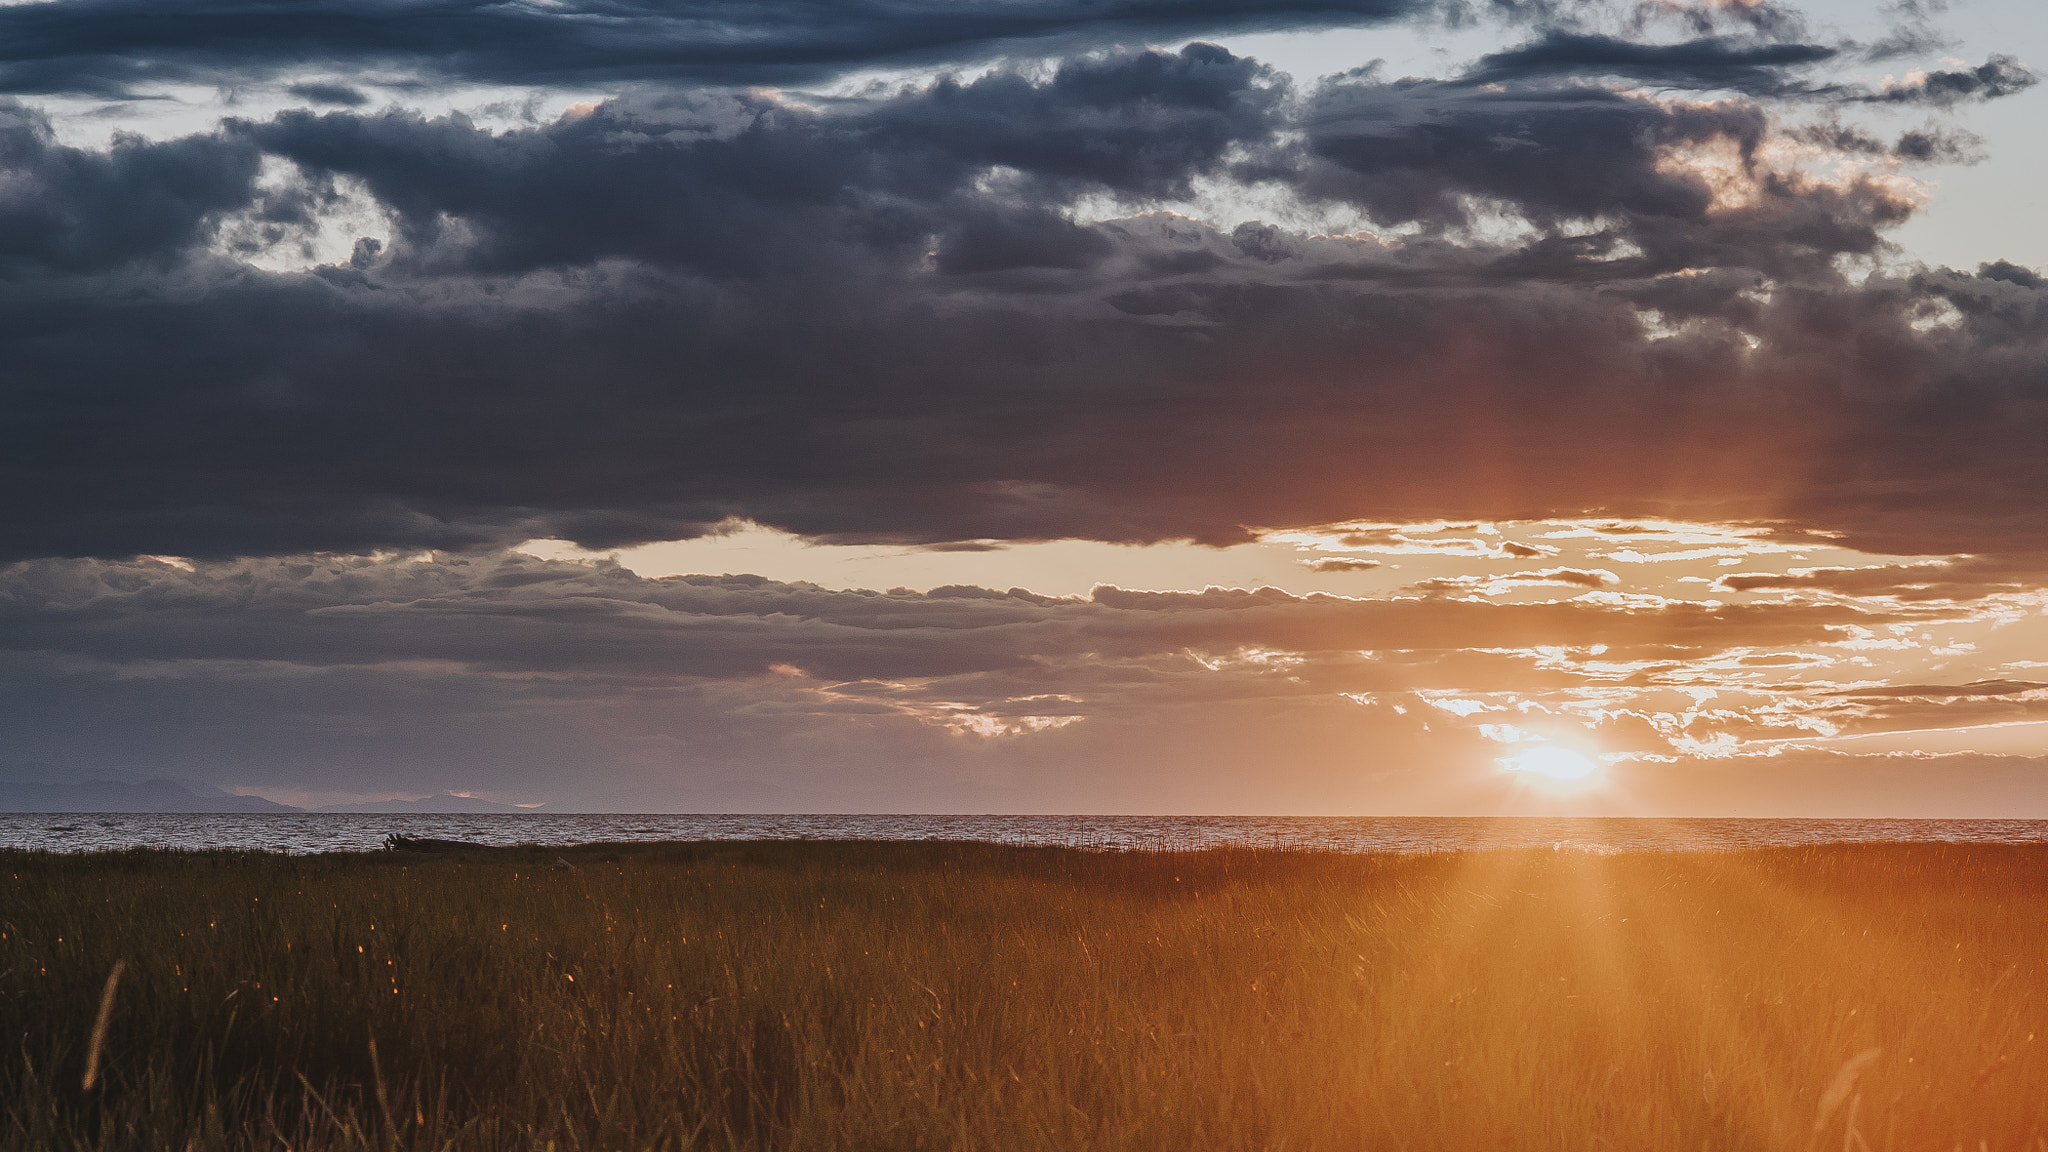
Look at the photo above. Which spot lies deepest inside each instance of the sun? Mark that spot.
(1552, 762)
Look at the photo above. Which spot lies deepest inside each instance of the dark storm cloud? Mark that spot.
(1752, 65)
(111, 47)
(1758, 67)
(895, 317)
(741, 185)
(79, 210)
(317, 92)
(1625, 187)
(1424, 151)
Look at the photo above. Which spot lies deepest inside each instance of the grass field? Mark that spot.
(905, 996)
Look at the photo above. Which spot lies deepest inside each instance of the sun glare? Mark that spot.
(1551, 762)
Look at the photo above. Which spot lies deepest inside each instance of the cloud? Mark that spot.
(114, 47)
(1414, 540)
(1340, 564)
(1998, 76)
(1492, 585)
(1581, 577)
(1946, 691)
(965, 310)
(371, 673)
(78, 210)
(741, 184)
(1752, 65)
(323, 92)
(1619, 187)
(1951, 579)
(512, 613)
(1931, 144)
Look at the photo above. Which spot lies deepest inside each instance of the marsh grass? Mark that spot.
(958, 996)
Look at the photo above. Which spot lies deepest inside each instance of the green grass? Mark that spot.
(904, 996)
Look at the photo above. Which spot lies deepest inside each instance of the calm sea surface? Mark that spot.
(333, 832)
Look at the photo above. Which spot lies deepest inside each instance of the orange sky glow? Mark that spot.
(1714, 668)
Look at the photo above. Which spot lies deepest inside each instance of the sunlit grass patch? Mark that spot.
(890, 996)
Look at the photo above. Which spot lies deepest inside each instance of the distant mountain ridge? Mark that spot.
(120, 796)
(166, 795)
(447, 803)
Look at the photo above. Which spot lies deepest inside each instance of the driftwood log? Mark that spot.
(400, 842)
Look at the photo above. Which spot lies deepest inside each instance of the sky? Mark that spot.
(1378, 407)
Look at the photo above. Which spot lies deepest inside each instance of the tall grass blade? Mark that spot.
(1843, 1084)
(99, 1026)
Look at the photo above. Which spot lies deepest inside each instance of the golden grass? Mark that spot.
(902, 996)
(98, 1043)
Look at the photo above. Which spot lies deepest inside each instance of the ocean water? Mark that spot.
(337, 832)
